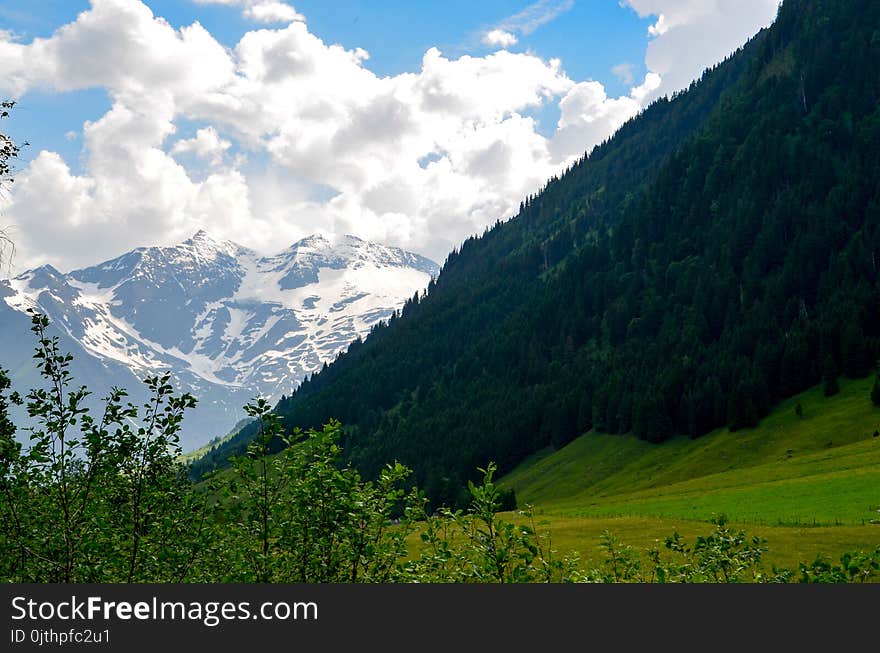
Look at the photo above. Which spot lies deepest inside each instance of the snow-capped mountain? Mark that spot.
(228, 323)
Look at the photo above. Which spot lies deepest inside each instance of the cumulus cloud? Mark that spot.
(272, 12)
(588, 116)
(691, 35)
(499, 38)
(340, 147)
(133, 194)
(420, 159)
(121, 46)
(660, 27)
(206, 145)
(261, 11)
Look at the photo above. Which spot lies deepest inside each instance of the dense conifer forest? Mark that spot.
(718, 254)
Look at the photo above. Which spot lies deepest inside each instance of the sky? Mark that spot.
(412, 123)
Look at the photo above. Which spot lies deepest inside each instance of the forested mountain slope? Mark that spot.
(718, 254)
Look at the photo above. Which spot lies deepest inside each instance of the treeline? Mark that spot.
(719, 253)
(101, 499)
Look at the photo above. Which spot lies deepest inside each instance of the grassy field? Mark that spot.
(807, 484)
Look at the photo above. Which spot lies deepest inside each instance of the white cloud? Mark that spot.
(261, 11)
(272, 12)
(9, 35)
(119, 45)
(499, 38)
(133, 194)
(691, 35)
(660, 27)
(336, 148)
(588, 116)
(321, 143)
(536, 14)
(646, 89)
(526, 21)
(206, 145)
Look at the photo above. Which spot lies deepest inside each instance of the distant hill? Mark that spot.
(718, 254)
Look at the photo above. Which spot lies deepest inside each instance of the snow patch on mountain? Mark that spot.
(226, 321)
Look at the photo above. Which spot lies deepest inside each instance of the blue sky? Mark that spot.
(143, 128)
(590, 38)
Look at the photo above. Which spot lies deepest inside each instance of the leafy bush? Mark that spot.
(104, 499)
(300, 516)
(94, 499)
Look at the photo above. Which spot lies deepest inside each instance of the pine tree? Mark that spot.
(829, 377)
(855, 359)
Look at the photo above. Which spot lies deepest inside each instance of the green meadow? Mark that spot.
(808, 483)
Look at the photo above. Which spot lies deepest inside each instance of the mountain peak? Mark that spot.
(314, 240)
(199, 237)
(229, 323)
(204, 242)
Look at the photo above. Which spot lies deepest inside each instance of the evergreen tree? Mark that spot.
(856, 361)
(829, 377)
(651, 421)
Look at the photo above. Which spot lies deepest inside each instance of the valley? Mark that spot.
(808, 484)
